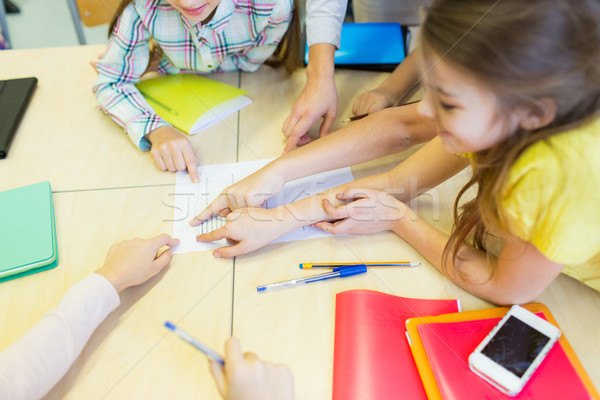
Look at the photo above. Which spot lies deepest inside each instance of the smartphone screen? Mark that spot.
(515, 346)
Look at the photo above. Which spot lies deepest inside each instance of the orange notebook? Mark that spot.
(371, 359)
(441, 346)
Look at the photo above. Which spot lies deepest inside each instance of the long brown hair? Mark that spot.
(288, 53)
(524, 51)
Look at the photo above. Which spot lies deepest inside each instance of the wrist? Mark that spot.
(110, 277)
(321, 62)
(403, 225)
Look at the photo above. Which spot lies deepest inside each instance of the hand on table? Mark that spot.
(252, 191)
(246, 377)
(318, 99)
(369, 211)
(134, 261)
(249, 229)
(172, 151)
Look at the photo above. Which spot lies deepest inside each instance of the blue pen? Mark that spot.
(206, 350)
(339, 272)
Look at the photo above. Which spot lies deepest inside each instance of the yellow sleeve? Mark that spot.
(548, 200)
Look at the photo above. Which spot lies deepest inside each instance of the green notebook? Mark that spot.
(28, 231)
(192, 102)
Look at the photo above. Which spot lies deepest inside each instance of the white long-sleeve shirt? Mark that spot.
(324, 20)
(32, 365)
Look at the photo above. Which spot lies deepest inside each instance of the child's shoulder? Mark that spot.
(576, 148)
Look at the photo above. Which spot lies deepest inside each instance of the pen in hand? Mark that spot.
(206, 350)
(355, 118)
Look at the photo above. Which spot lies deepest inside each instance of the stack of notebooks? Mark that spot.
(28, 231)
(394, 347)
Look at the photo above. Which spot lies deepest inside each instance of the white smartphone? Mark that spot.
(512, 351)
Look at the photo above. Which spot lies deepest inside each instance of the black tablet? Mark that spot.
(14, 97)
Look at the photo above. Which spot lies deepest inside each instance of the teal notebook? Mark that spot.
(28, 231)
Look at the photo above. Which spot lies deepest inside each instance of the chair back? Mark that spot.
(97, 12)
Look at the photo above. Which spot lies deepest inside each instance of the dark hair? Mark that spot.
(287, 54)
(524, 51)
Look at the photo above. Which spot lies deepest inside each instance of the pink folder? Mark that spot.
(372, 359)
(449, 344)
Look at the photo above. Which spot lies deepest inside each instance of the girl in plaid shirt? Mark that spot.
(191, 36)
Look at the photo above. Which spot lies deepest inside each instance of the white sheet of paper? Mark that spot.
(192, 198)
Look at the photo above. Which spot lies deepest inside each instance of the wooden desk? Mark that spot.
(64, 138)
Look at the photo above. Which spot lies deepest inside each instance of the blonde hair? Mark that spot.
(524, 51)
(287, 54)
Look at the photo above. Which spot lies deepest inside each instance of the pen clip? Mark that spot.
(349, 270)
(341, 267)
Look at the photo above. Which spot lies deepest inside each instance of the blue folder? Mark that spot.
(378, 46)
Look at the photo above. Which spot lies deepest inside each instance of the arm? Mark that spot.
(245, 377)
(32, 365)
(390, 91)
(426, 168)
(126, 58)
(518, 275)
(386, 132)
(318, 99)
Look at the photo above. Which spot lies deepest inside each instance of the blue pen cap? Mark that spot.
(352, 270)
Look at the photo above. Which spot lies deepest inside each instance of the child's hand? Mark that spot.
(172, 151)
(252, 191)
(133, 262)
(370, 211)
(249, 228)
(317, 100)
(372, 101)
(246, 377)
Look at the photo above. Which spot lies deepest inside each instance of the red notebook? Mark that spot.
(371, 358)
(448, 340)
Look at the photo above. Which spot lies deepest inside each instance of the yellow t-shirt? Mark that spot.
(552, 200)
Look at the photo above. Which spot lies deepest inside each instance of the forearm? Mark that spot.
(424, 170)
(472, 269)
(310, 209)
(320, 62)
(385, 132)
(518, 275)
(31, 366)
(127, 107)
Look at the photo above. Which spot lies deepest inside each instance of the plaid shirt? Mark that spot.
(241, 35)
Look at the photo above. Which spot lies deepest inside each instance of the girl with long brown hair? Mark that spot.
(513, 89)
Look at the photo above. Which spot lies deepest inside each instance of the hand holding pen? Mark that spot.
(246, 377)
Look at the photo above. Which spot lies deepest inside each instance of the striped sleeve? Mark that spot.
(126, 58)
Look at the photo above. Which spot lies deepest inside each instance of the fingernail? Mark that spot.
(217, 254)
(340, 195)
